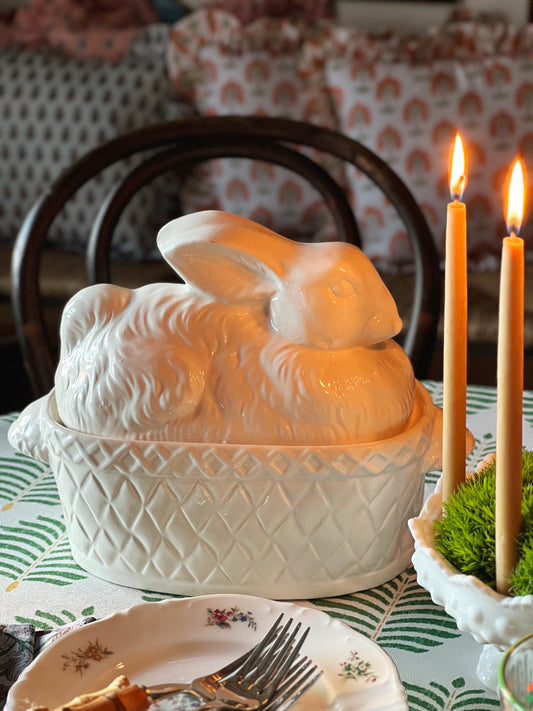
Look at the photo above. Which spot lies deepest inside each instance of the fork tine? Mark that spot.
(254, 666)
(294, 675)
(271, 671)
(280, 666)
(290, 693)
(277, 648)
(207, 685)
(301, 665)
(250, 658)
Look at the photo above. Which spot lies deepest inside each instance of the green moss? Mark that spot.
(465, 535)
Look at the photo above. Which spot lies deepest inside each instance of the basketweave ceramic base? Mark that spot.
(494, 620)
(281, 522)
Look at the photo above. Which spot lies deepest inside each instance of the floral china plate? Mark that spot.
(179, 639)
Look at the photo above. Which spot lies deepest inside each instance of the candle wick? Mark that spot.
(459, 187)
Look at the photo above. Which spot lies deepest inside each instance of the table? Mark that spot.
(41, 585)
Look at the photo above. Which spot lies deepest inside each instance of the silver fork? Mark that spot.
(207, 685)
(293, 688)
(252, 681)
(299, 679)
(259, 677)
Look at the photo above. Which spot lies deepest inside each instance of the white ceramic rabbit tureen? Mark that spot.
(268, 341)
(271, 379)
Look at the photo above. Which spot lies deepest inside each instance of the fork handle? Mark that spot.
(219, 705)
(166, 704)
(160, 691)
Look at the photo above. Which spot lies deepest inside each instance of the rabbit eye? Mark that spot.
(343, 288)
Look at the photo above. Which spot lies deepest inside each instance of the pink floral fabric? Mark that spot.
(407, 103)
(85, 29)
(250, 10)
(225, 67)
(402, 97)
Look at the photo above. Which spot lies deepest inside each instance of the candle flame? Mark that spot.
(458, 169)
(516, 197)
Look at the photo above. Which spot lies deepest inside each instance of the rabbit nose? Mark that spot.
(381, 326)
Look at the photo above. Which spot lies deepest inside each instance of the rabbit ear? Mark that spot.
(225, 255)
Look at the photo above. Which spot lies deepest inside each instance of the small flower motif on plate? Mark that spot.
(224, 618)
(356, 668)
(80, 659)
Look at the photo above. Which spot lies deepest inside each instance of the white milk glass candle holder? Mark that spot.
(496, 621)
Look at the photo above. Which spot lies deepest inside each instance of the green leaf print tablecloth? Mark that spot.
(41, 585)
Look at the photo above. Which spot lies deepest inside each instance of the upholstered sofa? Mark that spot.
(404, 98)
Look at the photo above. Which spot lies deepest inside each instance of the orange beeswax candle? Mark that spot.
(455, 332)
(510, 377)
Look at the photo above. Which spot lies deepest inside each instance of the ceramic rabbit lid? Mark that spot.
(268, 341)
(321, 295)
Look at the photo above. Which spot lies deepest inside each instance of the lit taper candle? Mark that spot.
(455, 330)
(510, 383)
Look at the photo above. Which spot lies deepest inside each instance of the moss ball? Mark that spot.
(466, 534)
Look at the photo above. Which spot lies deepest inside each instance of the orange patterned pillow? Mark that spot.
(406, 100)
(250, 10)
(409, 114)
(224, 67)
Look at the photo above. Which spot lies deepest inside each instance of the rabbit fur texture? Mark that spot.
(268, 341)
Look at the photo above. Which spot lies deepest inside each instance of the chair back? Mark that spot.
(180, 146)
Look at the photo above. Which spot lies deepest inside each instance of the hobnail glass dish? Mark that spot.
(496, 621)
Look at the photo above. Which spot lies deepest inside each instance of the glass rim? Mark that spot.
(501, 679)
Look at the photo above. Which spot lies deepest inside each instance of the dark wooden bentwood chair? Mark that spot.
(180, 145)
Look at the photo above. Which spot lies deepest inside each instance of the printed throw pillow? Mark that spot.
(226, 68)
(409, 115)
(250, 10)
(54, 109)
